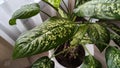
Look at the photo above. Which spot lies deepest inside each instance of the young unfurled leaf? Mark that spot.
(112, 56)
(99, 35)
(79, 37)
(62, 13)
(54, 3)
(43, 62)
(25, 11)
(102, 9)
(91, 62)
(115, 38)
(44, 37)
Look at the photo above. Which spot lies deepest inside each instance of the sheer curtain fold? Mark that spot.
(7, 7)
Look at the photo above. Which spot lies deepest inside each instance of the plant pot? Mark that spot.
(90, 47)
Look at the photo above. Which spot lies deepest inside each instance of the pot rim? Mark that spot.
(90, 47)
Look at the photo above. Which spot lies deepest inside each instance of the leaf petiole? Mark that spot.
(46, 13)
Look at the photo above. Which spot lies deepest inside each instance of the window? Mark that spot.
(1, 2)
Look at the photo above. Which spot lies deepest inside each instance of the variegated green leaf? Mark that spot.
(115, 38)
(80, 2)
(25, 11)
(80, 36)
(112, 56)
(91, 62)
(62, 13)
(54, 3)
(107, 1)
(114, 27)
(43, 62)
(102, 9)
(99, 35)
(115, 34)
(44, 37)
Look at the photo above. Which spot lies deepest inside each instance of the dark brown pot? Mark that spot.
(71, 58)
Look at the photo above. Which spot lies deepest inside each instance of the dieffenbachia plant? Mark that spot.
(59, 29)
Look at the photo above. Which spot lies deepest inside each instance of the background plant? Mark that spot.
(57, 30)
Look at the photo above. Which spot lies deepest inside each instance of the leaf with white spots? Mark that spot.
(54, 3)
(80, 2)
(112, 56)
(80, 37)
(101, 9)
(43, 62)
(115, 34)
(44, 37)
(99, 35)
(115, 38)
(113, 27)
(91, 62)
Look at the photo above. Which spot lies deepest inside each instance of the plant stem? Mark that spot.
(60, 52)
(63, 9)
(45, 13)
(74, 18)
(65, 6)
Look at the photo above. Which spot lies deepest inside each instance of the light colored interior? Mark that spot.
(7, 43)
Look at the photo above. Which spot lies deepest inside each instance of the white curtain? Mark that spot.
(8, 34)
(7, 7)
(11, 33)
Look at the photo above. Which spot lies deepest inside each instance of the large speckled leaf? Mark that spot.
(107, 1)
(54, 3)
(25, 11)
(115, 34)
(99, 35)
(112, 56)
(44, 37)
(80, 2)
(43, 62)
(115, 38)
(102, 9)
(91, 62)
